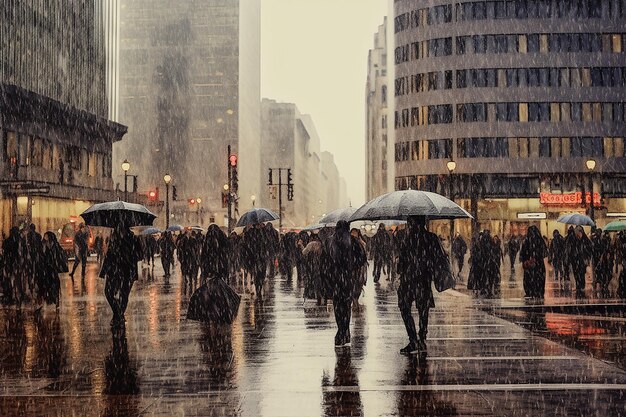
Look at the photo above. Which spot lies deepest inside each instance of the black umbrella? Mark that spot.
(215, 302)
(114, 213)
(256, 216)
(334, 216)
(399, 205)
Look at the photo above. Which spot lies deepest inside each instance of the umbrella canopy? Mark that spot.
(615, 226)
(315, 226)
(214, 301)
(150, 231)
(114, 213)
(576, 219)
(399, 205)
(337, 215)
(256, 216)
(196, 228)
(175, 228)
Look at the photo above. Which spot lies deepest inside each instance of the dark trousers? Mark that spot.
(343, 313)
(512, 257)
(117, 291)
(405, 303)
(579, 277)
(378, 266)
(81, 258)
(460, 260)
(166, 262)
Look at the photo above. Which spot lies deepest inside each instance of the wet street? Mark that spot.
(485, 357)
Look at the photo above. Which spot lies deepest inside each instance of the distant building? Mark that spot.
(331, 183)
(379, 152)
(108, 15)
(55, 159)
(190, 86)
(521, 95)
(289, 140)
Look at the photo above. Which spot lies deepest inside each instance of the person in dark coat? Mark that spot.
(13, 286)
(215, 251)
(556, 255)
(459, 249)
(568, 261)
(604, 263)
(272, 247)
(33, 266)
(254, 253)
(81, 250)
(302, 240)
(512, 247)
(288, 254)
(120, 270)
(420, 253)
(347, 256)
(98, 247)
(151, 248)
(379, 247)
(498, 257)
(532, 256)
(167, 247)
(234, 256)
(360, 275)
(579, 256)
(48, 283)
(185, 248)
(311, 258)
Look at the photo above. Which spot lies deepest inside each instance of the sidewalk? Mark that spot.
(278, 359)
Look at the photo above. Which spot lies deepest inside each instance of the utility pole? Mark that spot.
(289, 186)
(229, 199)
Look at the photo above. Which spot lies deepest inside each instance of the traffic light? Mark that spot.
(269, 176)
(289, 177)
(191, 201)
(290, 192)
(153, 195)
(174, 193)
(224, 199)
(135, 186)
(232, 159)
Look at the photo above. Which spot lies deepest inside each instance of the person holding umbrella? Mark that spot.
(167, 246)
(420, 254)
(120, 270)
(579, 256)
(81, 250)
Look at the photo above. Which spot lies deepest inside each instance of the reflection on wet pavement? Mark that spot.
(278, 358)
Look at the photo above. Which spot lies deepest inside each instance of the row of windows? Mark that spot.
(424, 115)
(554, 112)
(424, 149)
(506, 147)
(512, 77)
(423, 17)
(25, 150)
(541, 9)
(513, 43)
(540, 43)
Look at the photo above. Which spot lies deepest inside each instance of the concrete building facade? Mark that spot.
(520, 94)
(55, 159)
(190, 86)
(379, 152)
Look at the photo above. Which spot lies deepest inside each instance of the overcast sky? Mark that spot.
(314, 54)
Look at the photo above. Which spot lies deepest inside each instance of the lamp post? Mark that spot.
(591, 165)
(167, 178)
(199, 201)
(125, 168)
(253, 198)
(451, 165)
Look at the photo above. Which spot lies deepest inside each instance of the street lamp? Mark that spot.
(199, 201)
(451, 165)
(253, 198)
(167, 178)
(125, 168)
(591, 165)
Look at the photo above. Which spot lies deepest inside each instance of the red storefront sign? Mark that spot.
(572, 199)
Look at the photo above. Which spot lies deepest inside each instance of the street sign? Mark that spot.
(273, 191)
(23, 187)
(40, 190)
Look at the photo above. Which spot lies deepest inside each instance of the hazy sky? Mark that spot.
(314, 54)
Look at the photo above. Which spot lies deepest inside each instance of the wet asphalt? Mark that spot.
(500, 356)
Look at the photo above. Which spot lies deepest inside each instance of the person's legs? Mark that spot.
(111, 288)
(404, 304)
(377, 268)
(83, 262)
(423, 317)
(125, 288)
(77, 260)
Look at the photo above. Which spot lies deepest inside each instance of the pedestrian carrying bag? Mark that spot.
(442, 274)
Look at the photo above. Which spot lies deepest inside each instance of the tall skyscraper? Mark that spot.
(525, 96)
(379, 151)
(189, 87)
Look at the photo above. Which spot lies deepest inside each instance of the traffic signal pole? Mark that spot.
(229, 193)
(289, 186)
(280, 200)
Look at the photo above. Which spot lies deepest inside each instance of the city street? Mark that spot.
(278, 358)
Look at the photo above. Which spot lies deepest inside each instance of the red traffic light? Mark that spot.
(153, 195)
(233, 160)
(192, 201)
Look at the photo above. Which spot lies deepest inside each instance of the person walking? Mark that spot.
(420, 254)
(13, 289)
(556, 255)
(120, 271)
(98, 246)
(532, 256)
(360, 275)
(512, 248)
(380, 245)
(167, 247)
(347, 256)
(215, 254)
(459, 249)
(579, 257)
(48, 283)
(254, 254)
(81, 250)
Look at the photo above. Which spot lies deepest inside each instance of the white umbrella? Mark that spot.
(337, 215)
(576, 219)
(400, 205)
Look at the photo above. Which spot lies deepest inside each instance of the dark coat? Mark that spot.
(345, 256)
(532, 256)
(121, 259)
(215, 253)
